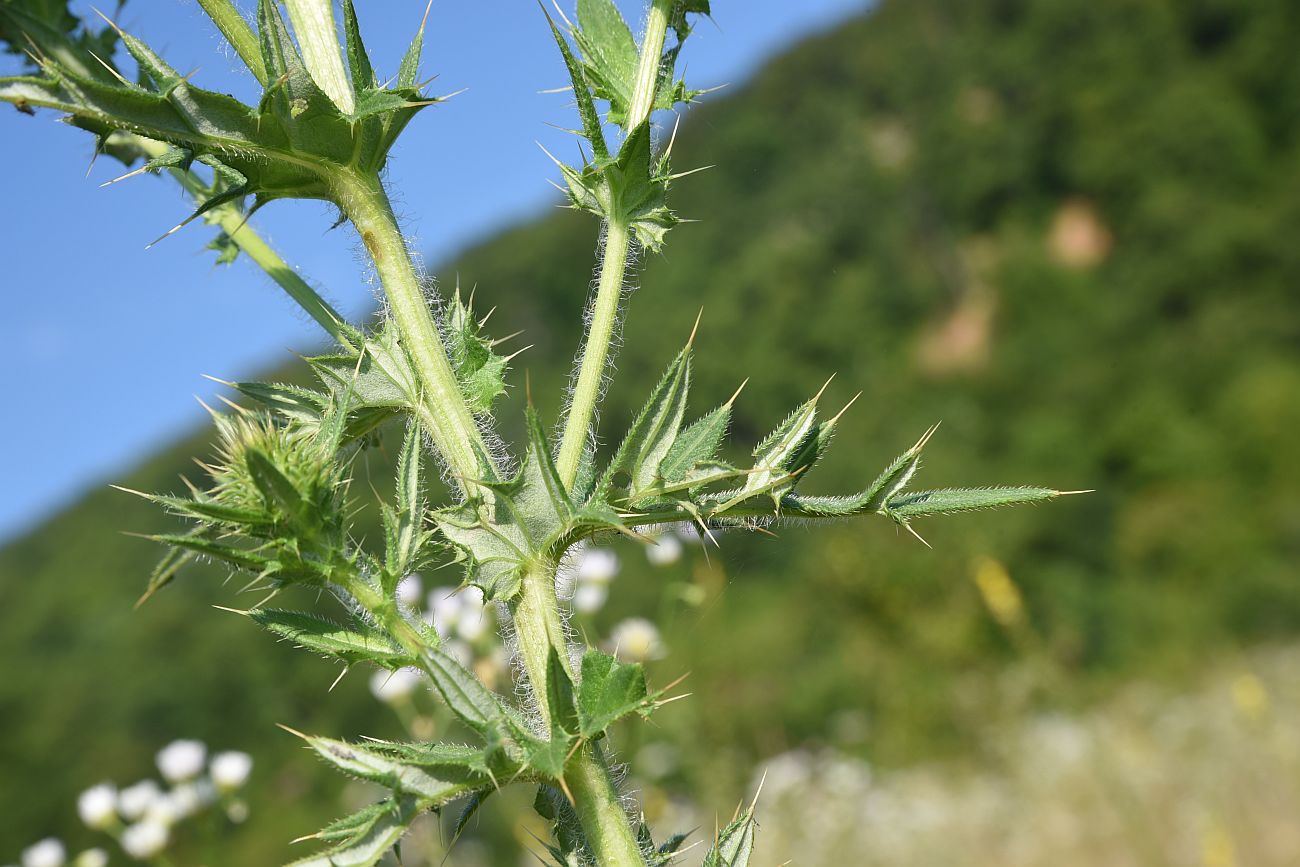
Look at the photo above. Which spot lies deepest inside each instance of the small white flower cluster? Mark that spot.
(462, 620)
(51, 853)
(585, 582)
(636, 640)
(141, 816)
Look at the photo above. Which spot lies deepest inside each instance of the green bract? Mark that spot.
(277, 503)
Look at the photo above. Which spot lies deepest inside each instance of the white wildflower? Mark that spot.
(97, 806)
(190, 798)
(230, 770)
(91, 858)
(409, 590)
(687, 532)
(165, 810)
(391, 686)
(47, 853)
(589, 598)
(459, 651)
(134, 801)
(598, 564)
(666, 550)
(473, 620)
(182, 760)
(144, 840)
(458, 613)
(637, 640)
(444, 609)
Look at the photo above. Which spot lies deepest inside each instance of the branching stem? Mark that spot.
(442, 407)
(234, 223)
(609, 288)
(538, 629)
(239, 33)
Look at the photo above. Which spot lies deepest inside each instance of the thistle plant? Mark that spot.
(278, 502)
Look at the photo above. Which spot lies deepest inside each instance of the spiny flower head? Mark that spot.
(277, 470)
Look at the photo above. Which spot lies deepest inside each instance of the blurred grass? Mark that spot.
(1064, 229)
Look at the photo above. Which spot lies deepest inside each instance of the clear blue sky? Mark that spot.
(111, 339)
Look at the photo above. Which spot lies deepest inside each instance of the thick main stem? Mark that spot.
(538, 630)
(442, 406)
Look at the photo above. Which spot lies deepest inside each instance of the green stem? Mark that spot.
(234, 223)
(442, 407)
(609, 289)
(538, 630)
(595, 354)
(238, 32)
(647, 71)
(313, 24)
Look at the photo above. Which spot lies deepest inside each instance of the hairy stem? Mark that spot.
(538, 630)
(609, 288)
(239, 33)
(442, 407)
(647, 72)
(595, 354)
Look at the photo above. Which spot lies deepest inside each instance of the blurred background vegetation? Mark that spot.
(1066, 230)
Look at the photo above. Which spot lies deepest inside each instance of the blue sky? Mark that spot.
(112, 339)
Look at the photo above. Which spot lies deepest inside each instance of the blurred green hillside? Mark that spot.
(1064, 229)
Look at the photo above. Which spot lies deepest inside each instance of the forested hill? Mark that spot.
(1065, 229)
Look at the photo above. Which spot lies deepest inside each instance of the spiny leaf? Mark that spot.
(609, 53)
(559, 696)
(349, 645)
(363, 74)
(582, 92)
(452, 780)
(235, 556)
(290, 401)
(734, 844)
(695, 445)
(654, 430)
(408, 72)
(480, 372)
(609, 691)
(949, 500)
(466, 696)
(370, 834)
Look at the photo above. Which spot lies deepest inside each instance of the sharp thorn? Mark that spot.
(739, 389)
(925, 437)
(695, 328)
(921, 538)
(845, 409)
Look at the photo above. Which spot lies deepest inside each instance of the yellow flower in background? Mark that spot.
(1250, 696)
(999, 592)
(1217, 848)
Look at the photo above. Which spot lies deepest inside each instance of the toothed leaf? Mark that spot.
(609, 691)
(349, 645)
(734, 844)
(949, 500)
